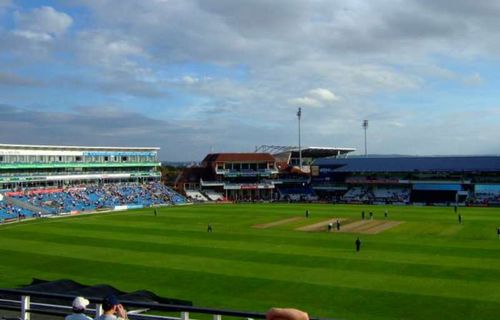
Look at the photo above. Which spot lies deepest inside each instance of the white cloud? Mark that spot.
(323, 95)
(381, 60)
(112, 52)
(43, 21)
(473, 79)
(123, 48)
(380, 77)
(305, 102)
(318, 97)
(33, 36)
(190, 80)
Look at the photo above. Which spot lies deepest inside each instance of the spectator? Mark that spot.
(79, 306)
(113, 310)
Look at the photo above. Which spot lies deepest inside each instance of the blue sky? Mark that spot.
(193, 76)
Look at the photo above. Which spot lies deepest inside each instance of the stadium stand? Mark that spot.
(487, 194)
(40, 180)
(257, 176)
(424, 180)
(38, 166)
(93, 197)
(214, 196)
(302, 193)
(391, 194)
(378, 194)
(356, 194)
(234, 176)
(196, 195)
(12, 212)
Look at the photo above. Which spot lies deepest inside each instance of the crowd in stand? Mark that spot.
(10, 211)
(379, 194)
(487, 198)
(94, 197)
(297, 194)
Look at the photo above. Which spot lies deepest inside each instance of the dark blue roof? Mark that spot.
(410, 164)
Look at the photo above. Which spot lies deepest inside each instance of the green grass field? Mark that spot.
(429, 267)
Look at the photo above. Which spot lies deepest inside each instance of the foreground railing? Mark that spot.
(27, 307)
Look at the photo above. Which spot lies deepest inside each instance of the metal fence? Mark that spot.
(139, 310)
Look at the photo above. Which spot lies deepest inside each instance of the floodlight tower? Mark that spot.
(365, 126)
(299, 115)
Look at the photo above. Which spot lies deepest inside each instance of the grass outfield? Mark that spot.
(428, 267)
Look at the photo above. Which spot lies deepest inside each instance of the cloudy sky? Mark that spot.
(198, 76)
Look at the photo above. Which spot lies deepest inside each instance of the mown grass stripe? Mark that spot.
(352, 279)
(324, 240)
(275, 258)
(415, 271)
(254, 294)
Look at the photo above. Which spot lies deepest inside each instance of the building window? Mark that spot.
(106, 159)
(78, 159)
(124, 159)
(1, 158)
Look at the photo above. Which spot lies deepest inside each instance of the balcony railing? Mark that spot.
(211, 183)
(24, 305)
(75, 175)
(45, 165)
(246, 172)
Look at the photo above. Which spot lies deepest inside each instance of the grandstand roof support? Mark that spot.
(365, 126)
(299, 115)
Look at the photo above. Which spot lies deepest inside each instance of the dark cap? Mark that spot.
(109, 302)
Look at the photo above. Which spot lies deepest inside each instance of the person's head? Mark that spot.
(286, 314)
(79, 304)
(109, 303)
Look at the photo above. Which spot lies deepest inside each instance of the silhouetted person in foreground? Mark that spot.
(307, 213)
(338, 225)
(358, 244)
(209, 227)
(286, 314)
(113, 310)
(459, 218)
(79, 306)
